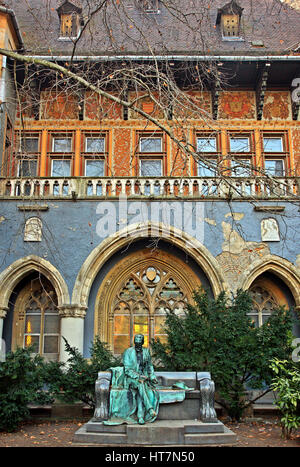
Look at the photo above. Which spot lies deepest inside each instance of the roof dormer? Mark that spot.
(229, 20)
(69, 13)
(150, 6)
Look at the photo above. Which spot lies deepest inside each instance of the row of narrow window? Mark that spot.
(151, 151)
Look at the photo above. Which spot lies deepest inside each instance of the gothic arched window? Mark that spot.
(263, 304)
(36, 319)
(136, 296)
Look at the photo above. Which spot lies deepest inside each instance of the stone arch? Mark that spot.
(143, 283)
(280, 267)
(100, 255)
(12, 275)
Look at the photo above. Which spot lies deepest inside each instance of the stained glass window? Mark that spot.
(263, 303)
(141, 304)
(42, 323)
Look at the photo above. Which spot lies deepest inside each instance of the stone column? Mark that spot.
(3, 312)
(71, 328)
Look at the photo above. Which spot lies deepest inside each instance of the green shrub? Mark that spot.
(21, 383)
(217, 335)
(74, 380)
(286, 383)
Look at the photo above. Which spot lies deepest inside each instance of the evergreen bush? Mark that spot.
(74, 380)
(217, 335)
(21, 383)
(286, 383)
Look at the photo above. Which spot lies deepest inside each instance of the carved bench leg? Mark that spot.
(207, 398)
(102, 396)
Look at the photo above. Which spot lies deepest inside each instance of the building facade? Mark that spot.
(108, 219)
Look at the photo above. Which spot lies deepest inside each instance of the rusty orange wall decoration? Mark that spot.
(237, 105)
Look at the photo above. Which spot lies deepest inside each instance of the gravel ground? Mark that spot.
(49, 433)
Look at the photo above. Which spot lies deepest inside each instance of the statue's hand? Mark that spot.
(153, 380)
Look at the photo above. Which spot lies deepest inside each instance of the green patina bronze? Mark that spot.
(135, 394)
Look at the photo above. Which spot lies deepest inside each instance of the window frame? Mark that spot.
(93, 155)
(28, 156)
(54, 137)
(232, 168)
(141, 160)
(65, 160)
(283, 155)
(211, 155)
(150, 155)
(237, 137)
(87, 159)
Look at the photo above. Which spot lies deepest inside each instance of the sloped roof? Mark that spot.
(122, 27)
(76, 3)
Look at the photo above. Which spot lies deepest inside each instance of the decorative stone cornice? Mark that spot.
(72, 311)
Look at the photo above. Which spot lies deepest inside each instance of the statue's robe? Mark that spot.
(130, 399)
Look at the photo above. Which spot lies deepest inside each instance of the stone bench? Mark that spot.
(198, 403)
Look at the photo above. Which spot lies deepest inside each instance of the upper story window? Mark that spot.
(239, 144)
(94, 144)
(273, 144)
(151, 154)
(95, 155)
(206, 144)
(61, 144)
(28, 156)
(209, 146)
(229, 19)
(62, 155)
(241, 155)
(150, 144)
(275, 155)
(30, 144)
(69, 13)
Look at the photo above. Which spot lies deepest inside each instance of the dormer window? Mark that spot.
(231, 25)
(150, 6)
(69, 13)
(229, 20)
(69, 25)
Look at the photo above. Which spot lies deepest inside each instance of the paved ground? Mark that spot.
(48, 433)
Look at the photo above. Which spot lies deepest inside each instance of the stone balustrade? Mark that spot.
(160, 187)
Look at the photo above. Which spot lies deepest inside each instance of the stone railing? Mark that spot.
(160, 187)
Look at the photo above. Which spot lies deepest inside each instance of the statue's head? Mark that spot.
(138, 340)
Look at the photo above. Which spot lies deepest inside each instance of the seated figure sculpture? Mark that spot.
(134, 395)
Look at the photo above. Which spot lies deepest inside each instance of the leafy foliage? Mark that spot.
(75, 380)
(217, 335)
(286, 383)
(21, 383)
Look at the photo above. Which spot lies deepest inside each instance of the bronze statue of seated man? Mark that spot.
(132, 394)
(138, 378)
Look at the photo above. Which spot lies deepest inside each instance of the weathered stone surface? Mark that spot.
(160, 433)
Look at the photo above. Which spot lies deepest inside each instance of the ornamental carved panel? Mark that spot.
(58, 106)
(99, 108)
(193, 105)
(296, 149)
(237, 105)
(277, 106)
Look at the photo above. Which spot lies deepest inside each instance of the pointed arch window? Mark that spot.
(140, 306)
(263, 304)
(36, 319)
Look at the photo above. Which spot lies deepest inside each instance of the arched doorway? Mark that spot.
(36, 320)
(136, 294)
